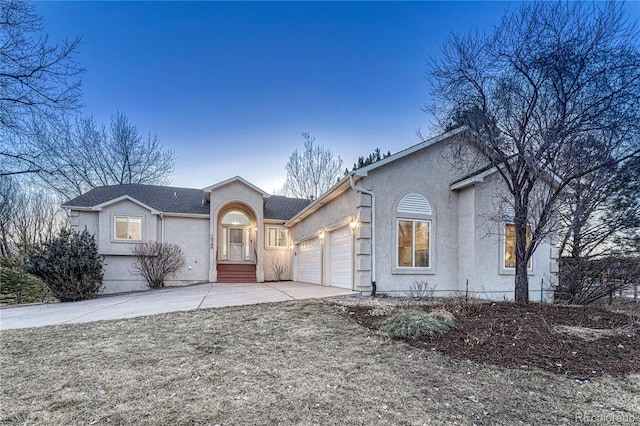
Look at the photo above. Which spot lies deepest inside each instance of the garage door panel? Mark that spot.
(341, 258)
(309, 261)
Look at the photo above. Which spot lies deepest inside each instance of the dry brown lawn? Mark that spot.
(303, 362)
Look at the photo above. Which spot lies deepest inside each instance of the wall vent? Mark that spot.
(415, 204)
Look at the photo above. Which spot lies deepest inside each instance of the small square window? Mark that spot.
(277, 237)
(128, 228)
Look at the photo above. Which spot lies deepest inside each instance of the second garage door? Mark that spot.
(341, 258)
(309, 261)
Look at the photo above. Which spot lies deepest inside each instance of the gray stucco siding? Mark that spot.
(119, 276)
(492, 280)
(343, 207)
(276, 257)
(108, 244)
(192, 236)
(428, 174)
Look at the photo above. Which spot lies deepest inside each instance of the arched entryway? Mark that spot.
(237, 249)
(237, 237)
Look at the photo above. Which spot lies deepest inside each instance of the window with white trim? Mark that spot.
(128, 228)
(277, 237)
(510, 245)
(414, 222)
(413, 243)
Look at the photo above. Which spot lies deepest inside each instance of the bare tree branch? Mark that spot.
(312, 172)
(76, 157)
(549, 98)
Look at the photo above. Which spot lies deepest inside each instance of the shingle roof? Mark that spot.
(283, 208)
(169, 199)
(166, 199)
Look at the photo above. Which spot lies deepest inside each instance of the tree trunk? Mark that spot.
(522, 279)
(522, 283)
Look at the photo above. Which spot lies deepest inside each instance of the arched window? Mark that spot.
(414, 222)
(236, 218)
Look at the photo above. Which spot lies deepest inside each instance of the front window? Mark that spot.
(413, 243)
(277, 237)
(128, 228)
(510, 245)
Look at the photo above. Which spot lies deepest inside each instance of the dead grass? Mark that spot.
(590, 334)
(299, 362)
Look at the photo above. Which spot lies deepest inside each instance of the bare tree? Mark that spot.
(600, 219)
(9, 198)
(156, 261)
(37, 220)
(600, 210)
(83, 155)
(312, 172)
(550, 96)
(37, 79)
(29, 216)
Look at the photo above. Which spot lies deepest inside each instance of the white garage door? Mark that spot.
(341, 258)
(309, 261)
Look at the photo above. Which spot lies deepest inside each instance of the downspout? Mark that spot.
(161, 228)
(373, 231)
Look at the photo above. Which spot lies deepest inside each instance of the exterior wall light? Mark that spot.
(321, 235)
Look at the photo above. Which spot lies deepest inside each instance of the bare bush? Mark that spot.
(156, 261)
(279, 268)
(584, 281)
(421, 290)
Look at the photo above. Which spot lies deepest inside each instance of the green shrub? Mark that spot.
(414, 323)
(69, 265)
(20, 287)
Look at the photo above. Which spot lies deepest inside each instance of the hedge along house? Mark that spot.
(408, 218)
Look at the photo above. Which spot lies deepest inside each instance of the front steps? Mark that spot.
(236, 273)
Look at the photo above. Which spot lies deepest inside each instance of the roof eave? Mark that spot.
(188, 215)
(472, 180)
(77, 208)
(333, 192)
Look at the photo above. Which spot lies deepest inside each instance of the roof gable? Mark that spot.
(123, 198)
(364, 171)
(236, 179)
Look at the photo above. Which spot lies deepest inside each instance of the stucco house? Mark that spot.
(407, 218)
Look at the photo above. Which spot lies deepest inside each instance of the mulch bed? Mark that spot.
(534, 335)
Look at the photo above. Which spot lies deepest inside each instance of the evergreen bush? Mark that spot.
(414, 323)
(69, 265)
(20, 287)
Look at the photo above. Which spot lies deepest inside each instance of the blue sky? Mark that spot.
(230, 86)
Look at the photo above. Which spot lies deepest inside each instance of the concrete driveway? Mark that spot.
(159, 301)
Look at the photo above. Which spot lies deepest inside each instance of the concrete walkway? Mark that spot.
(159, 301)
